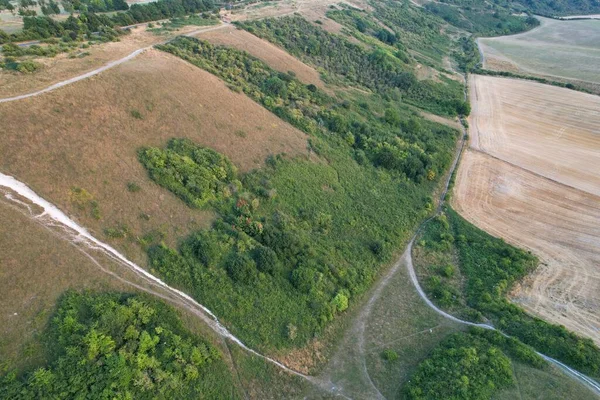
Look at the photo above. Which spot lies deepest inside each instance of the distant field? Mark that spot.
(548, 130)
(567, 49)
(531, 177)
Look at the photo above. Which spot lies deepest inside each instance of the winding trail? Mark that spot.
(105, 67)
(590, 383)
(51, 216)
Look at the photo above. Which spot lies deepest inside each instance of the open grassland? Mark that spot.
(566, 49)
(84, 158)
(62, 67)
(272, 55)
(550, 131)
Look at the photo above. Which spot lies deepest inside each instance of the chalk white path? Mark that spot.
(51, 214)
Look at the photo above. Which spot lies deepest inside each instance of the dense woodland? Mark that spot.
(377, 69)
(489, 268)
(483, 19)
(109, 346)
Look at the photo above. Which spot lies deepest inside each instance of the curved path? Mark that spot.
(593, 385)
(103, 68)
(51, 216)
(80, 235)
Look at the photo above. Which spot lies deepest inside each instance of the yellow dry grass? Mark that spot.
(85, 135)
(554, 132)
(531, 177)
(35, 269)
(272, 55)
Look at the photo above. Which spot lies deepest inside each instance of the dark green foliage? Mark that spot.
(299, 240)
(376, 69)
(471, 365)
(467, 55)
(88, 23)
(490, 268)
(194, 173)
(398, 144)
(120, 346)
(95, 5)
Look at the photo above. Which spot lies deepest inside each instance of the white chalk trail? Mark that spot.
(51, 215)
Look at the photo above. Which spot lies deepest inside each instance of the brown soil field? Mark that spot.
(275, 57)
(557, 223)
(552, 131)
(531, 177)
(84, 135)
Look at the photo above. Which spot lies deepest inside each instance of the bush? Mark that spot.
(120, 346)
(196, 174)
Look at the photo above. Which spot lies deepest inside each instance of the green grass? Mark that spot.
(299, 240)
(489, 268)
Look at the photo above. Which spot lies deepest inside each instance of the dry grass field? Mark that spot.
(551, 131)
(62, 67)
(537, 185)
(567, 49)
(275, 57)
(35, 269)
(86, 135)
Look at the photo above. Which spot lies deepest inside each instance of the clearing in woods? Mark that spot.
(531, 177)
(566, 49)
(116, 113)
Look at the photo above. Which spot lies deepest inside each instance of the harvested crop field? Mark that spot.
(58, 148)
(557, 223)
(531, 177)
(566, 49)
(551, 131)
(275, 57)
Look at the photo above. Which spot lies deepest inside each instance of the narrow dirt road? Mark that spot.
(99, 70)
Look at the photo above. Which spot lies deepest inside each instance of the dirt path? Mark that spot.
(99, 70)
(53, 217)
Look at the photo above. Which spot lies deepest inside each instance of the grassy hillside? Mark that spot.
(378, 68)
(297, 241)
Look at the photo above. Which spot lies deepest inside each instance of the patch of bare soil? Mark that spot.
(269, 53)
(86, 135)
(556, 222)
